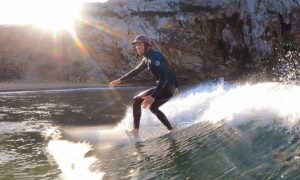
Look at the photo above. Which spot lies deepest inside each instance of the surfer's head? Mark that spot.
(142, 44)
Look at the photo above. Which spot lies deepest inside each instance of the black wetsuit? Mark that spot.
(164, 90)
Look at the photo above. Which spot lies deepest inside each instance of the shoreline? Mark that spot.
(39, 86)
(13, 87)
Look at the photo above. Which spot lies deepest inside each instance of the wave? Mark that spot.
(224, 131)
(262, 103)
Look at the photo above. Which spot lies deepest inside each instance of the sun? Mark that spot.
(57, 15)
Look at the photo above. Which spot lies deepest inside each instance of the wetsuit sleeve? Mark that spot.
(163, 79)
(134, 72)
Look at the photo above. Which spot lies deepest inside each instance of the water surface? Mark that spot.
(224, 131)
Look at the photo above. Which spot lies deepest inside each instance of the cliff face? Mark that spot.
(202, 40)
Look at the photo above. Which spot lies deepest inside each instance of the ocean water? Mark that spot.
(223, 131)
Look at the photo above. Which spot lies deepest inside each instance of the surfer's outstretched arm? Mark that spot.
(134, 72)
(129, 75)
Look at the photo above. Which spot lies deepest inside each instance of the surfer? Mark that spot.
(152, 98)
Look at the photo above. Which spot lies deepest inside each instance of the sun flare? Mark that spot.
(51, 15)
(56, 16)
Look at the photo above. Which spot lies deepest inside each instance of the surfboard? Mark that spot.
(96, 136)
(109, 136)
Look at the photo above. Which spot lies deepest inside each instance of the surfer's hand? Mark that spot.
(148, 100)
(114, 83)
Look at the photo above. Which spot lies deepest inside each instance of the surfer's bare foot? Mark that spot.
(171, 130)
(133, 132)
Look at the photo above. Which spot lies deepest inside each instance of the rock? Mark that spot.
(205, 39)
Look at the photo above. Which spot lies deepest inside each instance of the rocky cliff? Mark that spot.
(202, 40)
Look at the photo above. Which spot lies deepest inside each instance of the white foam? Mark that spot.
(263, 104)
(71, 159)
